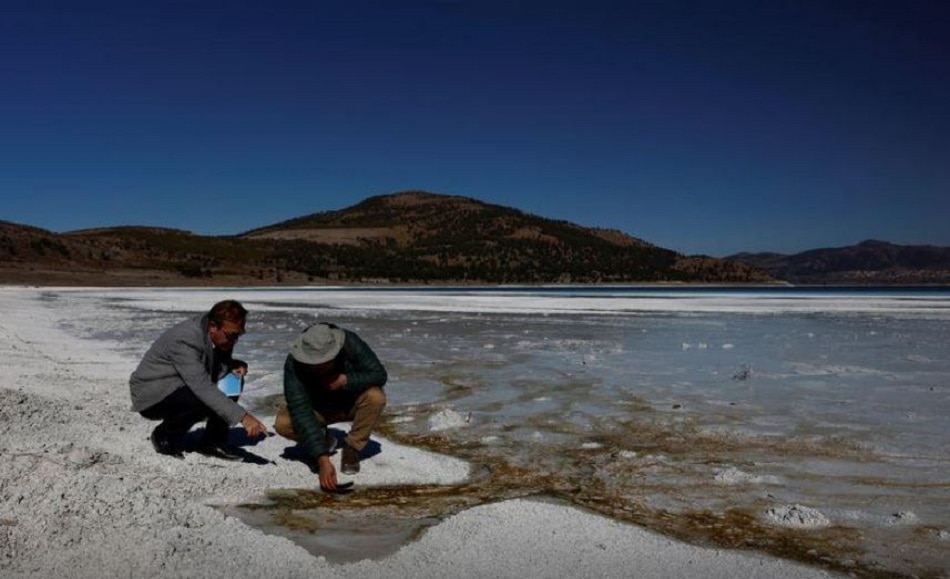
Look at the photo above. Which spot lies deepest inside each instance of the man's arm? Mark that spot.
(365, 369)
(309, 431)
(186, 358)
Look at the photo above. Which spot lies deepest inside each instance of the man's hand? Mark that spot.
(327, 473)
(338, 383)
(253, 426)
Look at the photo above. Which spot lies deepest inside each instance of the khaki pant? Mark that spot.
(363, 410)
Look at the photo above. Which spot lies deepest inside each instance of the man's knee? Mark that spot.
(373, 396)
(284, 426)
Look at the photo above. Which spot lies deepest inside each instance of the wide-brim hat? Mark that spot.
(318, 344)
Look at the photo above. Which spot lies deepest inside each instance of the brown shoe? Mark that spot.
(349, 460)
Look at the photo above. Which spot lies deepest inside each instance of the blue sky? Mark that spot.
(704, 127)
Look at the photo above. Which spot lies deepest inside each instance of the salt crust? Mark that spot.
(734, 476)
(82, 494)
(797, 516)
(446, 419)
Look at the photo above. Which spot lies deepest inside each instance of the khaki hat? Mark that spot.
(318, 344)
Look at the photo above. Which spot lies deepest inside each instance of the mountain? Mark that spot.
(870, 262)
(418, 217)
(421, 236)
(409, 237)
(117, 256)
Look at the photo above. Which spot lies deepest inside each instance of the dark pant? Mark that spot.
(181, 410)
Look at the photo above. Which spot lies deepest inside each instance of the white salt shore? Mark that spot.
(82, 493)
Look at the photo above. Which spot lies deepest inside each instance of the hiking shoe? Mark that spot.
(349, 460)
(163, 444)
(331, 443)
(221, 451)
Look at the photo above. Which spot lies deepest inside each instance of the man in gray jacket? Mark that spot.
(176, 382)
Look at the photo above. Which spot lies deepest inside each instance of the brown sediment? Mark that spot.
(836, 547)
(625, 490)
(455, 389)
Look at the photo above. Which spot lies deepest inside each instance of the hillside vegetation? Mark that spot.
(410, 237)
(869, 262)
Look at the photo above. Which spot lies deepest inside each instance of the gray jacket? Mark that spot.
(184, 356)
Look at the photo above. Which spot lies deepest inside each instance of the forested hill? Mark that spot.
(427, 236)
(869, 262)
(409, 237)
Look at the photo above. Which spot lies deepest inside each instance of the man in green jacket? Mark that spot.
(331, 375)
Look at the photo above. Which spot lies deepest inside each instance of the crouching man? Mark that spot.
(331, 375)
(176, 383)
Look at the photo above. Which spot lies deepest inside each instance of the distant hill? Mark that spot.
(416, 235)
(869, 262)
(416, 217)
(409, 237)
(119, 256)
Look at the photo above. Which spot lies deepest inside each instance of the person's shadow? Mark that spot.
(298, 453)
(237, 437)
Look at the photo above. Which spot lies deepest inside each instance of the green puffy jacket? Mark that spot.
(362, 368)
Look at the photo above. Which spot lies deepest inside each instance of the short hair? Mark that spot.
(227, 310)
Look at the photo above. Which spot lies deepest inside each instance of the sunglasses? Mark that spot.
(232, 336)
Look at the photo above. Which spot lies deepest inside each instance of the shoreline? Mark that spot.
(82, 493)
(159, 279)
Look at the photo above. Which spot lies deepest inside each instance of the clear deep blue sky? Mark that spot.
(705, 127)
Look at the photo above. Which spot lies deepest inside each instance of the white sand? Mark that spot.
(82, 493)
